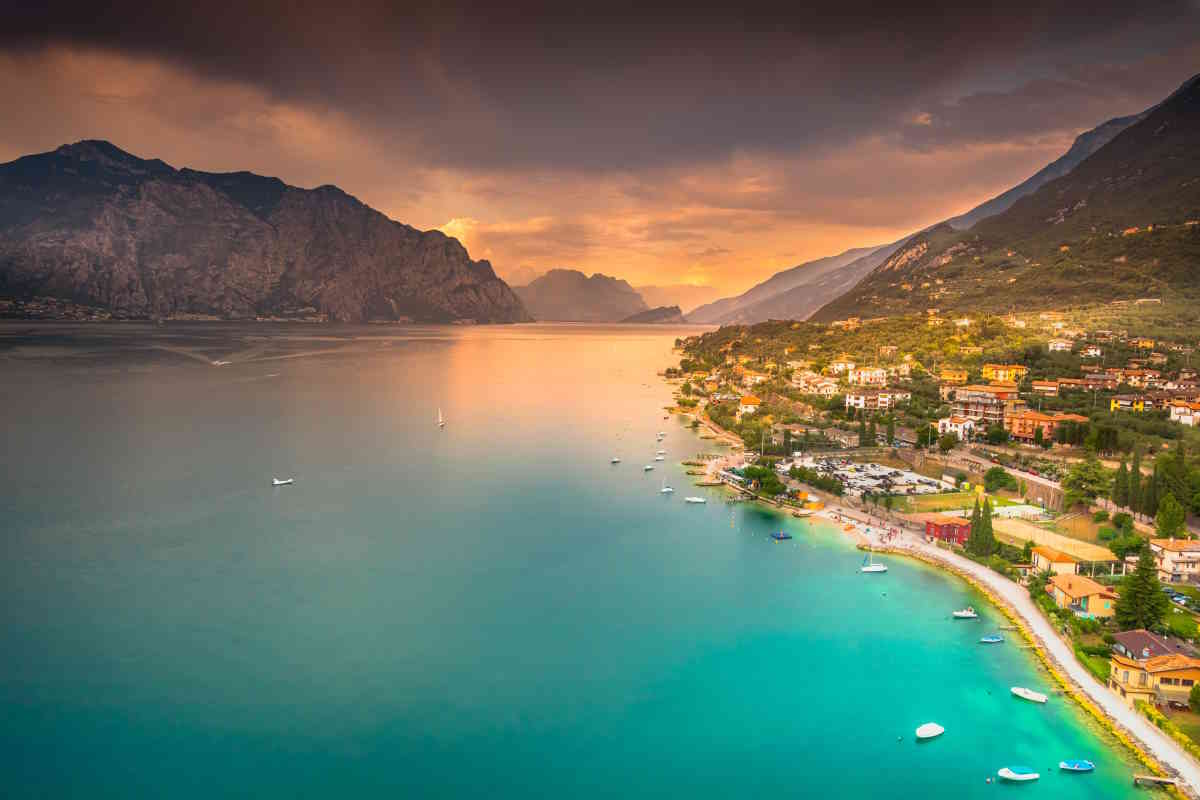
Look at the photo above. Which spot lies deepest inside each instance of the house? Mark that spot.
(987, 404)
(888, 350)
(1004, 372)
(752, 377)
(1127, 402)
(1141, 644)
(876, 399)
(867, 376)
(955, 530)
(1185, 412)
(954, 377)
(1082, 595)
(1178, 560)
(844, 438)
(1055, 561)
(962, 427)
(1092, 351)
(1159, 680)
(901, 370)
(842, 363)
(1024, 425)
(1059, 345)
(1046, 388)
(748, 404)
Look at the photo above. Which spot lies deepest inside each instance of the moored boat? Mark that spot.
(780, 536)
(965, 613)
(801, 513)
(991, 638)
(648, 467)
(1018, 774)
(615, 460)
(282, 482)
(930, 730)
(869, 564)
(695, 500)
(1029, 694)
(1076, 765)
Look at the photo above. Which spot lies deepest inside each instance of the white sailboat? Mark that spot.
(441, 419)
(282, 481)
(665, 489)
(869, 564)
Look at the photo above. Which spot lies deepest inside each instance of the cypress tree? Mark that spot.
(1120, 490)
(1150, 495)
(891, 430)
(871, 434)
(976, 535)
(1133, 498)
(988, 542)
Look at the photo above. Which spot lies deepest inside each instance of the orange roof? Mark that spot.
(1177, 545)
(1080, 586)
(1172, 662)
(1055, 556)
(750, 400)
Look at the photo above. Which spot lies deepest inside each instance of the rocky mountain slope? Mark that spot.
(661, 315)
(568, 295)
(1123, 224)
(684, 295)
(94, 225)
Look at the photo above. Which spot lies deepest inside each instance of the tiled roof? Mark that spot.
(1178, 545)
(1079, 586)
(1054, 556)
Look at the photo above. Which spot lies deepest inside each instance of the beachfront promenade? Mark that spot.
(1155, 743)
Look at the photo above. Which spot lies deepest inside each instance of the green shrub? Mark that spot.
(1106, 534)
(1100, 516)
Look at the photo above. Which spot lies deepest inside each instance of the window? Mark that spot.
(1142, 678)
(1186, 681)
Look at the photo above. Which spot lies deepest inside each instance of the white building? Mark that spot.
(842, 364)
(1185, 413)
(876, 399)
(962, 427)
(1059, 346)
(868, 376)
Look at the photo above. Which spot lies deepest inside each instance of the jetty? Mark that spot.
(1152, 780)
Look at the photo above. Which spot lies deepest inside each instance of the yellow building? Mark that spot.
(1127, 402)
(1004, 372)
(954, 376)
(1159, 680)
(1081, 594)
(1055, 561)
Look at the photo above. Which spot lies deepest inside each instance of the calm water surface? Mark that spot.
(487, 610)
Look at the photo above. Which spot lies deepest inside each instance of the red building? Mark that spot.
(948, 529)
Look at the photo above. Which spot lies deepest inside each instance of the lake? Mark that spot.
(487, 609)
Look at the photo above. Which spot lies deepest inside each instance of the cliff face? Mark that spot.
(95, 225)
(661, 315)
(569, 295)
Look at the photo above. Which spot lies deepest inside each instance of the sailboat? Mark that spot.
(441, 419)
(282, 481)
(869, 564)
(665, 489)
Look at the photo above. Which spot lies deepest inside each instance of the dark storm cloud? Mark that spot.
(616, 86)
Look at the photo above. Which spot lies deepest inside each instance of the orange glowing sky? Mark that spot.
(646, 158)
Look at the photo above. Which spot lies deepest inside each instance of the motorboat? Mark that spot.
(991, 638)
(1076, 765)
(781, 536)
(965, 613)
(614, 460)
(665, 489)
(441, 419)
(801, 513)
(930, 730)
(1019, 774)
(660, 452)
(695, 500)
(869, 564)
(648, 467)
(1029, 694)
(282, 481)
(660, 458)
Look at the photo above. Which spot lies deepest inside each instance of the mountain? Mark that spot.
(684, 295)
(1084, 145)
(1123, 224)
(658, 316)
(94, 225)
(570, 296)
(810, 273)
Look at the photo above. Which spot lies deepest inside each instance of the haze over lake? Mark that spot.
(489, 609)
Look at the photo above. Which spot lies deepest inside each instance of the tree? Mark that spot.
(976, 516)
(987, 538)
(1120, 490)
(1039, 437)
(872, 434)
(997, 435)
(997, 478)
(1194, 698)
(1134, 495)
(1150, 494)
(947, 441)
(1086, 481)
(1170, 517)
(1027, 551)
(862, 431)
(891, 429)
(1142, 603)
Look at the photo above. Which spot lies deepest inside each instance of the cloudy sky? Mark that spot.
(660, 144)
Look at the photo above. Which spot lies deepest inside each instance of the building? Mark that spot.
(955, 530)
(1092, 351)
(987, 404)
(954, 377)
(1160, 680)
(1127, 402)
(867, 376)
(752, 377)
(1185, 412)
(1047, 559)
(1141, 644)
(1082, 595)
(962, 427)
(1006, 373)
(748, 404)
(1046, 388)
(1178, 560)
(842, 364)
(888, 350)
(1059, 345)
(876, 399)
(1024, 425)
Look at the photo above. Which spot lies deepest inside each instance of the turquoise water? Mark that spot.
(492, 609)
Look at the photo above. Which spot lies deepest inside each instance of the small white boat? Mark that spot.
(1029, 694)
(660, 458)
(930, 730)
(801, 513)
(441, 419)
(1076, 765)
(614, 460)
(660, 452)
(869, 564)
(991, 638)
(1018, 774)
(648, 467)
(665, 489)
(661, 434)
(965, 613)
(283, 482)
(695, 500)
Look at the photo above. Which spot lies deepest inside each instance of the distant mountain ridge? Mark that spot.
(657, 316)
(685, 295)
(567, 295)
(1123, 224)
(95, 225)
